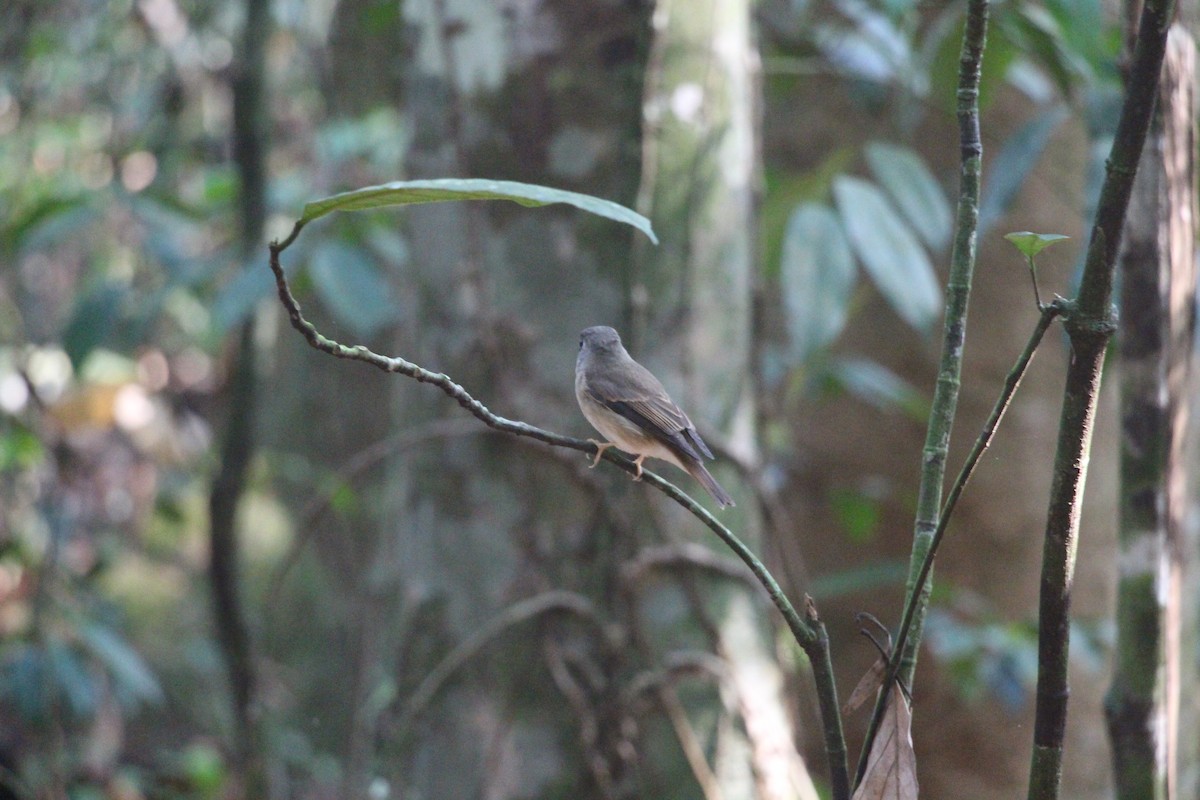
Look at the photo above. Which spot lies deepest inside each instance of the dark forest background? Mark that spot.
(231, 566)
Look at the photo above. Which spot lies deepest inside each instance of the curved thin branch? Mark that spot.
(805, 634)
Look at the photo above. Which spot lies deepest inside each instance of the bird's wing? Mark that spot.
(647, 405)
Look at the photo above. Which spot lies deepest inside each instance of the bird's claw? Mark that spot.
(600, 448)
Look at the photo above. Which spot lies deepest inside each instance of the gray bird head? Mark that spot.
(601, 341)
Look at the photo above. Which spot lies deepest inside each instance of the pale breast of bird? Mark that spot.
(627, 436)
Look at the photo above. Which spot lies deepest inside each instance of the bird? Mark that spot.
(631, 409)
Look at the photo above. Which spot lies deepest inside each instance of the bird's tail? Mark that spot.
(698, 471)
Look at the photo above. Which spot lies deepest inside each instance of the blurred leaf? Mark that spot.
(71, 678)
(875, 575)
(944, 51)
(45, 223)
(343, 499)
(93, 321)
(205, 769)
(855, 54)
(20, 447)
(23, 682)
(1090, 33)
(435, 191)
(817, 277)
(172, 233)
(1014, 162)
(856, 513)
(351, 287)
(1035, 31)
(237, 298)
(999, 658)
(786, 190)
(874, 49)
(879, 386)
(1030, 244)
(890, 252)
(913, 189)
(130, 674)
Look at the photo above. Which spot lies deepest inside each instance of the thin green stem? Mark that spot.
(958, 291)
(1011, 382)
(1033, 277)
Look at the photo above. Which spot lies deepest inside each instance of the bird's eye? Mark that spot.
(581, 344)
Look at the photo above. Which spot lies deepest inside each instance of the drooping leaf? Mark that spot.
(1030, 244)
(351, 287)
(443, 189)
(889, 250)
(1035, 30)
(914, 190)
(817, 277)
(876, 384)
(47, 223)
(131, 674)
(891, 772)
(786, 189)
(238, 297)
(867, 686)
(93, 320)
(1014, 162)
(874, 48)
(71, 678)
(873, 575)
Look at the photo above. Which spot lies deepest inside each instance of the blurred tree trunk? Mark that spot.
(692, 312)
(1157, 329)
(239, 440)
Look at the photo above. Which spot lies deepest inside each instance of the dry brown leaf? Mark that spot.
(868, 684)
(891, 772)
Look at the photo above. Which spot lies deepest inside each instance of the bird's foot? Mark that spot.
(638, 463)
(600, 448)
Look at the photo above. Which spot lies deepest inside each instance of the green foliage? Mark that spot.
(1030, 244)
(118, 244)
(444, 189)
(817, 275)
(990, 657)
(877, 385)
(352, 287)
(889, 251)
(1014, 162)
(856, 513)
(914, 190)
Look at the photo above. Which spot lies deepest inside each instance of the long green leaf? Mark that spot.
(914, 190)
(817, 273)
(889, 250)
(444, 189)
(1013, 164)
(352, 287)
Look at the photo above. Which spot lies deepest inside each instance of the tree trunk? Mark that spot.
(1157, 327)
(239, 441)
(692, 321)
